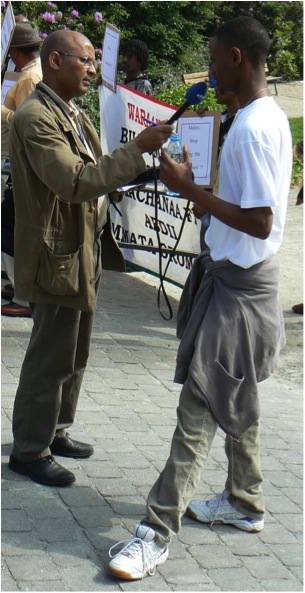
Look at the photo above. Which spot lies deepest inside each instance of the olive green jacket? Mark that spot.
(56, 185)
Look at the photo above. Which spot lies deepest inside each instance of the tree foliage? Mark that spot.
(177, 35)
(176, 32)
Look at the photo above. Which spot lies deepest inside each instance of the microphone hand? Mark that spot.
(153, 138)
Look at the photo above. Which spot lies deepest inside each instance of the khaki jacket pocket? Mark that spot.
(58, 274)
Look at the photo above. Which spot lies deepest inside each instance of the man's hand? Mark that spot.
(202, 112)
(153, 138)
(174, 175)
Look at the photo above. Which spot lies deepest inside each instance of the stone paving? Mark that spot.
(58, 539)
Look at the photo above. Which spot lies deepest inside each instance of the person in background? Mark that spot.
(298, 153)
(135, 61)
(229, 320)
(24, 52)
(10, 65)
(61, 184)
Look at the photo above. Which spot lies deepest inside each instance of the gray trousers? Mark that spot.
(191, 443)
(50, 379)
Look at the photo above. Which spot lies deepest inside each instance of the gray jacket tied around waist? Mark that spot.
(231, 328)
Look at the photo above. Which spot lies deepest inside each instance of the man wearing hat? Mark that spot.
(24, 52)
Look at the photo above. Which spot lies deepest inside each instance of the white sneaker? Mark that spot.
(219, 510)
(139, 556)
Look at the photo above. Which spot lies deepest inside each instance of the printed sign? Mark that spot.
(110, 56)
(201, 136)
(7, 30)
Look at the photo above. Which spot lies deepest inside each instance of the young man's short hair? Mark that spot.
(247, 34)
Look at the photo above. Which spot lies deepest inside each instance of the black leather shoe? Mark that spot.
(66, 447)
(44, 471)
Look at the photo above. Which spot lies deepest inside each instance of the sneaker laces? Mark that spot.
(132, 548)
(216, 501)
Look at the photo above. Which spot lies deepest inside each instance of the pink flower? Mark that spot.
(98, 17)
(3, 4)
(59, 14)
(47, 16)
(51, 4)
(43, 35)
(99, 51)
(74, 13)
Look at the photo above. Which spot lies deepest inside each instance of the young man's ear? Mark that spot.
(236, 56)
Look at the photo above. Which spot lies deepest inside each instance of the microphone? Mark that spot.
(194, 95)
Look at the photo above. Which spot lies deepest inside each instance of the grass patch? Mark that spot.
(296, 127)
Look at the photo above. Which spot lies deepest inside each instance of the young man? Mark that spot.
(61, 183)
(229, 318)
(135, 61)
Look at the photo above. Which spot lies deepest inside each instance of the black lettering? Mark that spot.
(148, 222)
(124, 136)
(127, 135)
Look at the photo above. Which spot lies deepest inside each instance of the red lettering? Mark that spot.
(139, 115)
(137, 118)
(131, 109)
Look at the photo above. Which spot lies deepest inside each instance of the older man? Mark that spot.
(61, 181)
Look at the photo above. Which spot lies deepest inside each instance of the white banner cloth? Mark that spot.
(122, 118)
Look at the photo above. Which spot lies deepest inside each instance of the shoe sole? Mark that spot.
(126, 576)
(71, 456)
(242, 526)
(20, 470)
(10, 314)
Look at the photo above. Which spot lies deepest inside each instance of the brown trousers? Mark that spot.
(50, 379)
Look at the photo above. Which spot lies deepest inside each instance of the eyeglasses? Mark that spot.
(87, 62)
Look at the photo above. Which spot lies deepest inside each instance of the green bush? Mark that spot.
(176, 97)
(176, 33)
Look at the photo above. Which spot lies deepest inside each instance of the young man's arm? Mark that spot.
(256, 222)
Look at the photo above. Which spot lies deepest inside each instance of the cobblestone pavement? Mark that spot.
(58, 539)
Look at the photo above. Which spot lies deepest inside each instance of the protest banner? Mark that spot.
(122, 118)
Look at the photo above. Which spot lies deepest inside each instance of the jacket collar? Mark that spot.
(64, 111)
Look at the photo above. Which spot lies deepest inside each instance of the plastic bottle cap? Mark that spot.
(175, 137)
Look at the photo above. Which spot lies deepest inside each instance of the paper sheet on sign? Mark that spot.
(7, 29)
(110, 56)
(201, 134)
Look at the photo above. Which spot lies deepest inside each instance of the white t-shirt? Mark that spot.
(255, 171)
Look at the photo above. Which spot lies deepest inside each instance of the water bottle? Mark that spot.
(174, 150)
